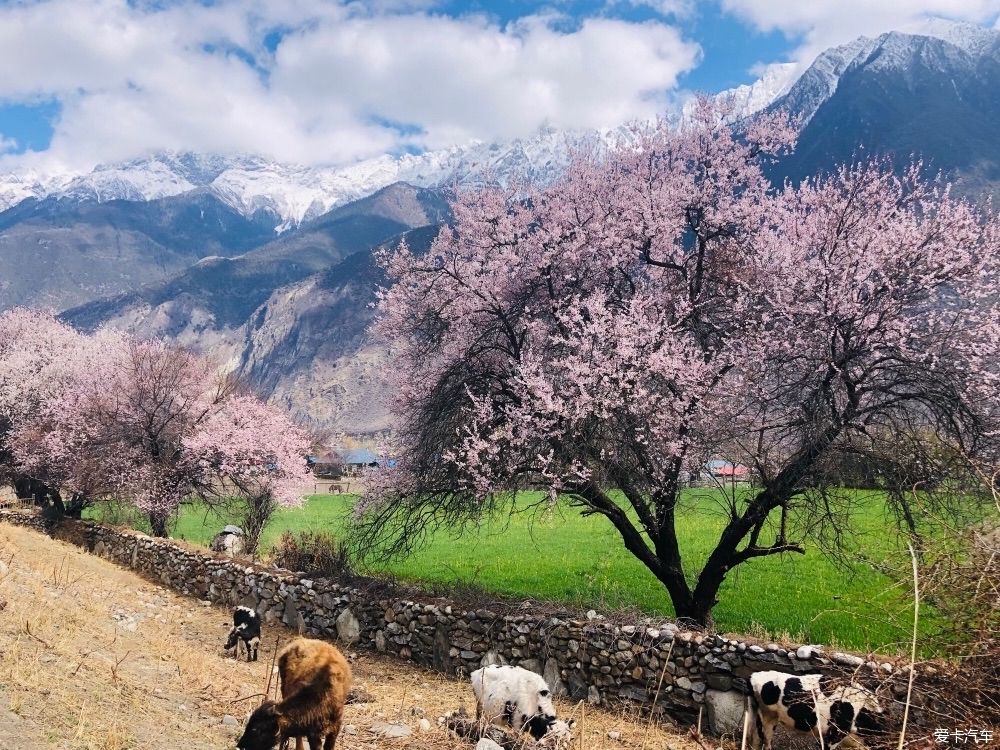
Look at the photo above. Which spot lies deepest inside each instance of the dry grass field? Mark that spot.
(95, 657)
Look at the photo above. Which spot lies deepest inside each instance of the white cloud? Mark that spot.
(824, 23)
(467, 78)
(197, 76)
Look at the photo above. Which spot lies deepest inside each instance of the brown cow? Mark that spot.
(315, 680)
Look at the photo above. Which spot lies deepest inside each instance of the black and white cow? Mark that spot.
(246, 629)
(521, 700)
(810, 704)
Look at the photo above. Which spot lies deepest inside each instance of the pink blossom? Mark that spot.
(107, 415)
(664, 305)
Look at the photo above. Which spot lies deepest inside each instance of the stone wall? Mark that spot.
(587, 657)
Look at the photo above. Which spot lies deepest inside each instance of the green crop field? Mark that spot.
(562, 556)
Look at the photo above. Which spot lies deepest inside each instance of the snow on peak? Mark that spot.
(20, 186)
(141, 181)
(970, 38)
(775, 81)
(293, 193)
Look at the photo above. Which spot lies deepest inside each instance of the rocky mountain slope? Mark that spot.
(336, 380)
(208, 305)
(57, 253)
(904, 96)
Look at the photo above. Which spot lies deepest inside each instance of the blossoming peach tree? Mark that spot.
(108, 416)
(603, 336)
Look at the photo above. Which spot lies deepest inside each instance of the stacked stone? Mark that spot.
(586, 657)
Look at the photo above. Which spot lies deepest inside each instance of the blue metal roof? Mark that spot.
(358, 456)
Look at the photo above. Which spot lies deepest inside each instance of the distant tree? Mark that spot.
(118, 428)
(39, 357)
(663, 305)
(108, 416)
(255, 456)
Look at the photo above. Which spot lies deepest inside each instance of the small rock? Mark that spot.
(392, 731)
(846, 660)
(616, 736)
(350, 729)
(805, 652)
(230, 721)
(424, 725)
(348, 627)
(487, 744)
(359, 694)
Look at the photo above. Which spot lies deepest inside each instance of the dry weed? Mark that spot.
(97, 658)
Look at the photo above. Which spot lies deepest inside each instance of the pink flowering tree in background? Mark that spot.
(602, 337)
(39, 357)
(107, 416)
(128, 421)
(62, 445)
(255, 456)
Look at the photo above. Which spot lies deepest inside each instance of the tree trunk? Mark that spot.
(159, 522)
(696, 613)
(53, 499)
(74, 508)
(258, 512)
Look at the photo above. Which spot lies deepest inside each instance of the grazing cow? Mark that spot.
(810, 704)
(520, 699)
(246, 630)
(315, 681)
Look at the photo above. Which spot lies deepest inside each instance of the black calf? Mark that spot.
(246, 629)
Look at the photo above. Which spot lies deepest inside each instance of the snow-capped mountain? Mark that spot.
(292, 193)
(18, 186)
(964, 45)
(903, 97)
(819, 81)
(972, 39)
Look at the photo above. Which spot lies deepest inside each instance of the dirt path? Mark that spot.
(93, 656)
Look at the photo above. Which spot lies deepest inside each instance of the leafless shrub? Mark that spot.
(318, 554)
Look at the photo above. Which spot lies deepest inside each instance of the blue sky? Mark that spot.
(28, 125)
(335, 81)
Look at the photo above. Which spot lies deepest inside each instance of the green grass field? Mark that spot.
(562, 556)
